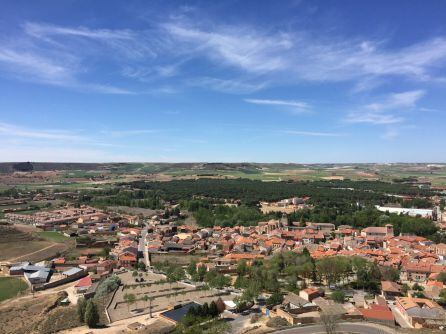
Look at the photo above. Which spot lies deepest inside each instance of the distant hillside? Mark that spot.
(7, 167)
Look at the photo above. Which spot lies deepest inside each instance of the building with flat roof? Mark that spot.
(175, 315)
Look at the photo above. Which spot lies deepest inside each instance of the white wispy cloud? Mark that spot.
(238, 46)
(389, 110)
(236, 86)
(257, 57)
(373, 118)
(390, 134)
(128, 42)
(297, 106)
(30, 65)
(11, 130)
(35, 66)
(124, 133)
(398, 100)
(300, 56)
(313, 134)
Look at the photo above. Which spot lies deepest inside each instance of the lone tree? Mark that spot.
(91, 317)
(151, 299)
(81, 307)
(330, 322)
(130, 299)
(338, 296)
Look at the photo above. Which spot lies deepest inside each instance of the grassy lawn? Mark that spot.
(10, 287)
(52, 236)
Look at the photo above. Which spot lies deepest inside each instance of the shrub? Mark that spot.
(108, 285)
(275, 299)
(255, 318)
(338, 296)
(277, 322)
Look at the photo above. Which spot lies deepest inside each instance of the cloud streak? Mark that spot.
(10, 130)
(387, 111)
(297, 106)
(313, 134)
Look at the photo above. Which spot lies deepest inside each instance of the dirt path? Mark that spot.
(69, 288)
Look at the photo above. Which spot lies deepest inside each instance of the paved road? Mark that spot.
(360, 327)
(141, 245)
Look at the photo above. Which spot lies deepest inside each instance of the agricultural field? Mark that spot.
(20, 243)
(99, 176)
(52, 236)
(11, 287)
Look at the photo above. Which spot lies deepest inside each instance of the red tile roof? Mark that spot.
(378, 314)
(84, 282)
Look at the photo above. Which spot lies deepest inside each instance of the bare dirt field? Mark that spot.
(178, 259)
(332, 177)
(134, 211)
(18, 243)
(40, 314)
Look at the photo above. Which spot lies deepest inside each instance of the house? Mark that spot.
(293, 301)
(390, 290)
(378, 314)
(310, 294)
(105, 267)
(421, 312)
(83, 285)
(74, 273)
(415, 272)
(127, 259)
(440, 250)
(378, 232)
(32, 273)
(38, 277)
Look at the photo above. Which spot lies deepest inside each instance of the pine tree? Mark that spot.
(91, 317)
(205, 310)
(81, 306)
(213, 310)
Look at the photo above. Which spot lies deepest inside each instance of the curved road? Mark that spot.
(344, 327)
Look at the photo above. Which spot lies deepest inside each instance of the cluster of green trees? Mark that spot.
(295, 270)
(202, 319)
(341, 270)
(122, 197)
(169, 213)
(108, 285)
(266, 275)
(201, 313)
(252, 191)
(419, 203)
(226, 216)
(87, 312)
(197, 274)
(339, 202)
(173, 271)
(213, 278)
(361, 217)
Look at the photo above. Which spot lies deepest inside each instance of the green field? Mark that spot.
(11, 287)
(52, 236)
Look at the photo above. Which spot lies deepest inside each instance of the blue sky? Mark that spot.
(265, 81)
